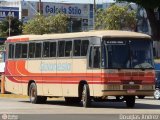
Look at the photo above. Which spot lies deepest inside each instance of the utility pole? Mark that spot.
(39, 5)
(94, 13)
(9, 23)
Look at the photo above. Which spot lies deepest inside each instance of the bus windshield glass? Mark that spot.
(127, 53)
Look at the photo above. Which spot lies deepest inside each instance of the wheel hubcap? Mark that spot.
(33, 94)
(83, 96)
(157, 94)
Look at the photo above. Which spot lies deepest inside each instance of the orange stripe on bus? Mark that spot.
(17, 40)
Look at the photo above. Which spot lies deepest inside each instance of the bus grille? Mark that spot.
(135, 87)
(113, 87)
(147, 87)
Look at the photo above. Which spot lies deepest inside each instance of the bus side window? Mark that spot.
(18, 51)
(68, 49)
(90, 58)
(11, 51)
(31, 50)
(84, 47)
(53, 49)
(61, 45)
(24, 50)
(46, 49)
(96, 57)
(38, 48)
(77, 48)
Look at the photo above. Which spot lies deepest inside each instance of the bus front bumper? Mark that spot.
(127, 92)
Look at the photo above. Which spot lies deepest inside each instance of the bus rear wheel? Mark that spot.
(130, 101)
(86, 99)
(34, 98)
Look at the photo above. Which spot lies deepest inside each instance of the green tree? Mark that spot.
(51, 24)
(15, 27)
(150, 6)
(116, 18)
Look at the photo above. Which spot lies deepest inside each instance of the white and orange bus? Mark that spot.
(81, 67)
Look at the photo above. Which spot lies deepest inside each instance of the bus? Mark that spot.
(82, 67)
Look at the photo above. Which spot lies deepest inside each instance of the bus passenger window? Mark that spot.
(11, 51)
(46, 49)
(38, 50)
(24, 50)
(77, 47)
(96, 57)
(18, 51)
(90, 58)
(53, 49)
(31, 50)
(61, 45)
(68, 48)
(84, 47)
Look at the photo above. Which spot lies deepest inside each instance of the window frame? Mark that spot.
(9, 51)
(84, 38)
(58, 57)
(35, 49)
(71, 49)
(56, 48)
(41, 49)
(21, 50)
(91, 47)
(27, 51)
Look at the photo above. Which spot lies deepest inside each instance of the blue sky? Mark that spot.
(72, 1)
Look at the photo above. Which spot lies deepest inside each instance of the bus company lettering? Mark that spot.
(70, 10)
(55, 67)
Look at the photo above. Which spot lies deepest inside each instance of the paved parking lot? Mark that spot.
(22, 109)
(22, 106)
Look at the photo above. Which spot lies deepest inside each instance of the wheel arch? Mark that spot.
(80, 86)
(29, 83)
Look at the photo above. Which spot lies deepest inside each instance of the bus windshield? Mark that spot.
(128, 53)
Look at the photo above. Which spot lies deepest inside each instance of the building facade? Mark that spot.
(81, 15)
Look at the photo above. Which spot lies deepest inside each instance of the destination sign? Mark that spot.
(117, 42)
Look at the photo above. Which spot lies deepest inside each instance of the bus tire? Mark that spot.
(141, 96)
(34, 98)
(157, 94)
(86, 99)
(130, 101)
(72, 100)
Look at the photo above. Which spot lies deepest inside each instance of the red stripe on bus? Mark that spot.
(17, 40)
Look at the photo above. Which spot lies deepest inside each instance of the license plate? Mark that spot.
(131, 91)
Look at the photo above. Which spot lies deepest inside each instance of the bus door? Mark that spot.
(94, 65)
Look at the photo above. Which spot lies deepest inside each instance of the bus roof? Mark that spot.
(101, 33)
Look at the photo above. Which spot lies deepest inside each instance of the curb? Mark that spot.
(12, 96)
(24, 96)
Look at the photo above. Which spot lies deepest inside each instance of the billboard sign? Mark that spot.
(75, 10)
(9, 11)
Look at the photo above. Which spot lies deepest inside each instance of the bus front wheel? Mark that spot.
(157, 94)
(86, 99)
(130, 101)
(34, 98)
